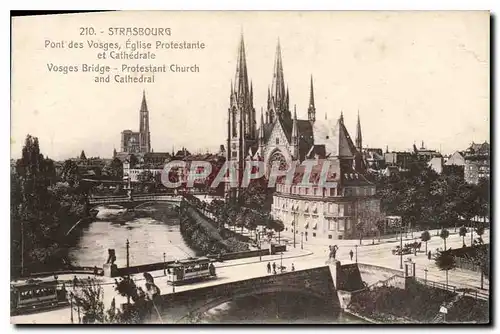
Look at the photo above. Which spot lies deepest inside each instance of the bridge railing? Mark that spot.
(134, 198)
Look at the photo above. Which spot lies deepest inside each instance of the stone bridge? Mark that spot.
(182, 306)
(135, 202)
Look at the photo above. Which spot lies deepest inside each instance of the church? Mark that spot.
(346, 211)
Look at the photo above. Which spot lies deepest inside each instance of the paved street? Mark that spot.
(313, 254)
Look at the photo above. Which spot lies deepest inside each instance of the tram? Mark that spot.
(191, 269)
(36, 295)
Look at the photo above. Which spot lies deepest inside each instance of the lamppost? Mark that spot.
(301, 240)
(127, 246)
(260, 248)
(164, 265)
(356, 249)
(71, 306)
(281, 260)
(425, 271)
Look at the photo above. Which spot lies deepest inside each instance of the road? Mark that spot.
(313, 254)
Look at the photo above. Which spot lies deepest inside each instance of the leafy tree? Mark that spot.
(425, 237)
(133, 161)
(480, 231)
(70, 173)
(463, 232)
(445, 261)
(116, 169)
(444, 235)
(89, 300)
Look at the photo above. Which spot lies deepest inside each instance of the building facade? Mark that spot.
(283, 138)
(477, 162)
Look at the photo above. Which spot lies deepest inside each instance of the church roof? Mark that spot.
(335, 137)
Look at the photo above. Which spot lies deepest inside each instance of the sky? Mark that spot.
(412, 76)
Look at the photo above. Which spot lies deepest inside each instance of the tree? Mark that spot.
(82, 155)
(444, 235)
(425, 237)
(70, 173)
(278, 226)
(145, 176)
(116, 169)
(463, 232)
(89, 300)
(445, 261)
(480, 232)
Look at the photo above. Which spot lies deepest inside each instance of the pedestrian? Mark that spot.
(429, 255)
(351, 254)
(95, 271)
(269, 267)
(75, 282)
(293, 267)
(274, 267)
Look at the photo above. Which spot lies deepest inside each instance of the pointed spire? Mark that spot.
(359, 138)
(144, 105)
(341, 119)
(261, 129)
(295, 130)
(278, 84)
(241, 78)
(311, 94)
(311, 111)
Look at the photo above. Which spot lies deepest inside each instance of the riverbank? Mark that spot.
(203, 237)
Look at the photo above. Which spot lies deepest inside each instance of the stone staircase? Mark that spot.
(439, 318)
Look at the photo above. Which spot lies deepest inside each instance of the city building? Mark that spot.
(374, 158)
(456, 159)
(424, 154)
(477, 162)
(283, 138)
(402, 160)
(437, 164)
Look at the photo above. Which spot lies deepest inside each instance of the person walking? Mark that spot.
(351, 254)
(269, 267)
(274, 268)
(429, 255)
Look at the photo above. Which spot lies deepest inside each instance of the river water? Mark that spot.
(159, 233)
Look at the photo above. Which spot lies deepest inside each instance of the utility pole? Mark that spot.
(356, 248)
(301, 240)
(71, 306)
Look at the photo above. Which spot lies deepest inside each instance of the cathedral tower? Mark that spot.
(242, 127)
(144, 135)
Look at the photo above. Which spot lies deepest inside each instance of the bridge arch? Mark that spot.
(176, 204)
(214, 302)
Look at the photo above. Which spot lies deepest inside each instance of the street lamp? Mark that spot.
(356, 248)
(301, 240)
(425, 271)
(71, 306)
(260, 250)
(281, 261)
(127, 246)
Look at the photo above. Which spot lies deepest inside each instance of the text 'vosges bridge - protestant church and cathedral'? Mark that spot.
(315, 211)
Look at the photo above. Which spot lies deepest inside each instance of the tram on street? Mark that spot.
(35, 295)
(191, 269)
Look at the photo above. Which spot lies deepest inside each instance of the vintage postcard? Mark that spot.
(284, 167)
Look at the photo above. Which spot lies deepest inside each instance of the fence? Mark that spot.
(436, 285)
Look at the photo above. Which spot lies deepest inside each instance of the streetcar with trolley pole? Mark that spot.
(35, 295)
(190, 270)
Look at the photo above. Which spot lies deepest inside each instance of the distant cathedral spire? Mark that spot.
(359, 138)
(144, 140)
(311, 110)
(241, 77)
